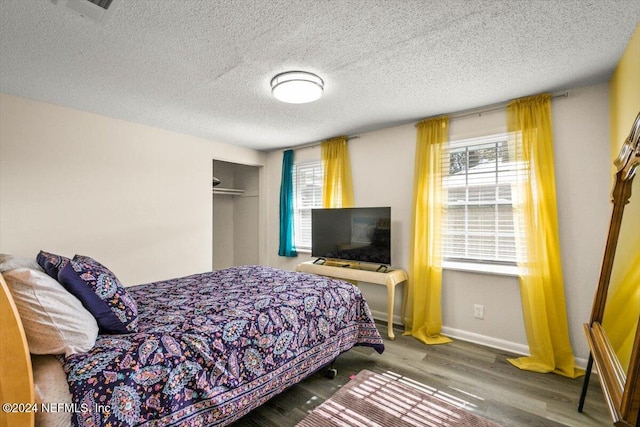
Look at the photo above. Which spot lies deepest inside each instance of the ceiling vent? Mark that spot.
(96, 10)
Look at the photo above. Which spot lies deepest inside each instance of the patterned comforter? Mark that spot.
(213, 346)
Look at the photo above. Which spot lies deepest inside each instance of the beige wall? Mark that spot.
(139, 199)
(136, 198)
(382, 167)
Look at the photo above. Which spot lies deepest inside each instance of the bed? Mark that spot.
(205, 349)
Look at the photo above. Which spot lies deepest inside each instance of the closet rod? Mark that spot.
(487, 109)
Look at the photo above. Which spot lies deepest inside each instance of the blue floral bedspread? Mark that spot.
(213, 346)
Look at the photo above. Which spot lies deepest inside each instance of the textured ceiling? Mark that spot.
(203, 67)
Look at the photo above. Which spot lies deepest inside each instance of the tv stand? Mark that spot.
(361, 273)
(323, 261)
(382, 268)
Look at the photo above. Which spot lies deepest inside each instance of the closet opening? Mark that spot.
(235, 214)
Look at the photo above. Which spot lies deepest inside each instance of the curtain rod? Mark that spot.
(456, 115)
(487, 109)
(316, 143)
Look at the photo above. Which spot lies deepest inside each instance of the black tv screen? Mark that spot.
(352, 234)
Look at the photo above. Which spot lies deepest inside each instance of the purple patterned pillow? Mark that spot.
(51, 263)
(101, 293)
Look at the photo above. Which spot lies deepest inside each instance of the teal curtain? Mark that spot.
(287, 245)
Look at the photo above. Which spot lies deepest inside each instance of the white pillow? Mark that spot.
(50, 386)
(10, 262)
(55, 322)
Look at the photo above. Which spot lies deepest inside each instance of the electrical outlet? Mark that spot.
(478, 311)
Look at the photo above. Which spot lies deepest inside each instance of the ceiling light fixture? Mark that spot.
(297, 87)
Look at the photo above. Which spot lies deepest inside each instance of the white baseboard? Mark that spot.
(581, 363)
(499, 344)
(512, 347)
(382, 316)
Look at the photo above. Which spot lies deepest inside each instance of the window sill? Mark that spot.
(500, 270)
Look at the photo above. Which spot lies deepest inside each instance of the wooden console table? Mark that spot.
(357, 272)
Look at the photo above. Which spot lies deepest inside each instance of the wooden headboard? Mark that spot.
(16, 375)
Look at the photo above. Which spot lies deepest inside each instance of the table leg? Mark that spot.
(391, 293)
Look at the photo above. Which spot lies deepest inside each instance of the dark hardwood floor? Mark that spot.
(479, 376)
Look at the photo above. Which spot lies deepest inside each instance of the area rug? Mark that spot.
(380, 400)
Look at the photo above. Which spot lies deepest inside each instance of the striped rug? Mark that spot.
(389, 399)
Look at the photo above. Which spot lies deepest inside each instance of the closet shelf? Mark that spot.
(228, 191)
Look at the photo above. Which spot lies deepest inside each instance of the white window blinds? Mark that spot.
(478, 213)
(307, 193)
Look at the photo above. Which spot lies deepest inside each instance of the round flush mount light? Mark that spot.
(297, 87)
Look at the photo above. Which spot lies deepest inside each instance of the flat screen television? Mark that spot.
(352, 234)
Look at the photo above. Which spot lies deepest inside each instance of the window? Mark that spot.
(307, 194)
(478, 214)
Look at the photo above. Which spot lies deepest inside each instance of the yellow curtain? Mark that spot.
(423, 316)
(337, 187)
(540, 270)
